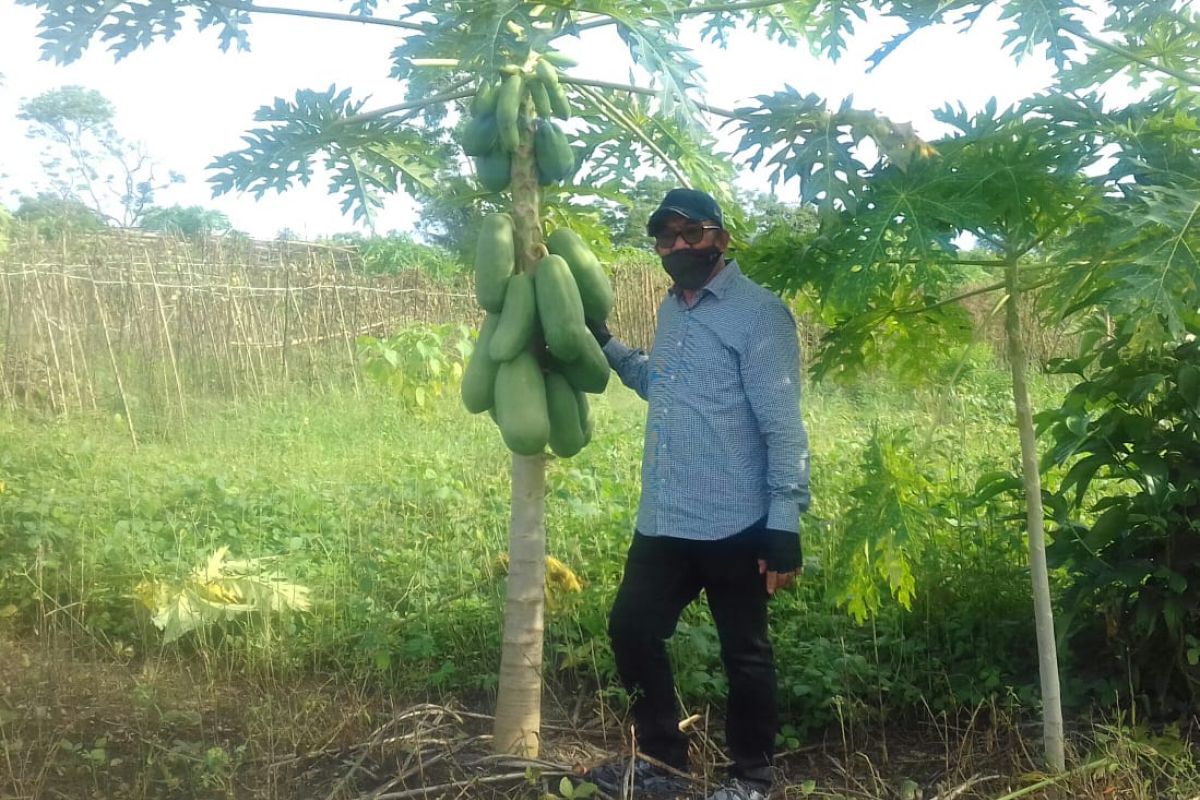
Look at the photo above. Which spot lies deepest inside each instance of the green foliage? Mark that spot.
(365, 155)
(190, 221)
(399, 252)
(418, 365)
(1129, 432)
(52, 217)
(890, 523)
(396, 536)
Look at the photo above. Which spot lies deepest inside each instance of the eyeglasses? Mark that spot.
(692, 234)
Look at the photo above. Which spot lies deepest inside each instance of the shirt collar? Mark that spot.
(718, 285)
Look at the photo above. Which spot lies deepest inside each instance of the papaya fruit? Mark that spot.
(484, 101)
(541, 100)
(480, 135)
(562, 408)
(548, 75)
(586, 422)
(520, 403)
(595, 289)
(495, 258)
(559, 59)
(559, 308)
(517, 319)
(479, 378)
(589, 372)
(508, 110)
(552, 153)
(494, 170)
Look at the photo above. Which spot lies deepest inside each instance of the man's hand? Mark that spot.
(776, 580)
(600, 330)
(784, 559)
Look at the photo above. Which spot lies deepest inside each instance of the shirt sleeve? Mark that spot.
(632, 366)
(770, 369)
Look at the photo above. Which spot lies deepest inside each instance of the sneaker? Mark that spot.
(741, 790)
(650, 778)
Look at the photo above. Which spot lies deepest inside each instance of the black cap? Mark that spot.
(688, 203)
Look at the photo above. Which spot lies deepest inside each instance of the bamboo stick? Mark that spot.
(166, 332)
(112, 356)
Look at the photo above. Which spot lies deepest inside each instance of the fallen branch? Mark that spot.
(463, 784)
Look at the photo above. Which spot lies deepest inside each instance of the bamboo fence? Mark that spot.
(144, 325)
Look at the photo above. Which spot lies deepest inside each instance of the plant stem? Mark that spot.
(1043, 611)
(619, 117)
(298, 12)
(453, 93)
(621, 87)
(1078, 30)
(711, 8)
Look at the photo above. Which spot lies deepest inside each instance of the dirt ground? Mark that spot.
(90, 725)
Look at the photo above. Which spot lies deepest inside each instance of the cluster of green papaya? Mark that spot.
(491, 133)
(535, 358)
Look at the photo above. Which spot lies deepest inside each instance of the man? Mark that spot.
(724, 481)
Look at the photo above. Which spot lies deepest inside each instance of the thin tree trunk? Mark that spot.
(519, 696)
(1043, 612)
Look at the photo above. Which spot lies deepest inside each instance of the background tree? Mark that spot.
(84, 158)
(1121, 244)
(191, 221)
(52, 216)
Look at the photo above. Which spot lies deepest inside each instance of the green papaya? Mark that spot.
(548, 75)
(562, 407)
(484, 101)
(589, 372)
(517, 319)
(480, 135)
(495, 258)
(508, 110)
(559, 59)
(541, 100)
(552, 153)
(521, 412)
(595, 289)
(586, 422)
(479, 378)
(559, 308)
(494, 170)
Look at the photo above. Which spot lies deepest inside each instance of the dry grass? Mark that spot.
(76, 723)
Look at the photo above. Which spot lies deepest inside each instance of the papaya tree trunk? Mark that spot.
(519, 696)
(1043, 612)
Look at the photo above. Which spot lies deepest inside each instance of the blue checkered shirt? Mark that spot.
(725, 442)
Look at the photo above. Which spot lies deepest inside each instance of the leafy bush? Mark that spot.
(399, 252)
(1128, 507)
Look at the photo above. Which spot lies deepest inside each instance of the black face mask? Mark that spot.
(690, 268)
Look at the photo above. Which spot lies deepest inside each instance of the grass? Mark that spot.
(394, 518)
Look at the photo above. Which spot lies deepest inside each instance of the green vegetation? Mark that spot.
(396, 535)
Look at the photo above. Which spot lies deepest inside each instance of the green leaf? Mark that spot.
(1107, 527)
(365, 157)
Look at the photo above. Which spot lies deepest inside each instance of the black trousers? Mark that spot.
(662, 576)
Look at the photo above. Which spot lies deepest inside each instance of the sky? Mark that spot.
(188, 102)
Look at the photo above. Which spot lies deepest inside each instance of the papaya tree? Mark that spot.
(449, 58)
(1098, 207)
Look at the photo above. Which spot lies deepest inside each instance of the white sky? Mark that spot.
(189, 102)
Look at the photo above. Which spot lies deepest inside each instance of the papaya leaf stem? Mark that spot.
(618, 117)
